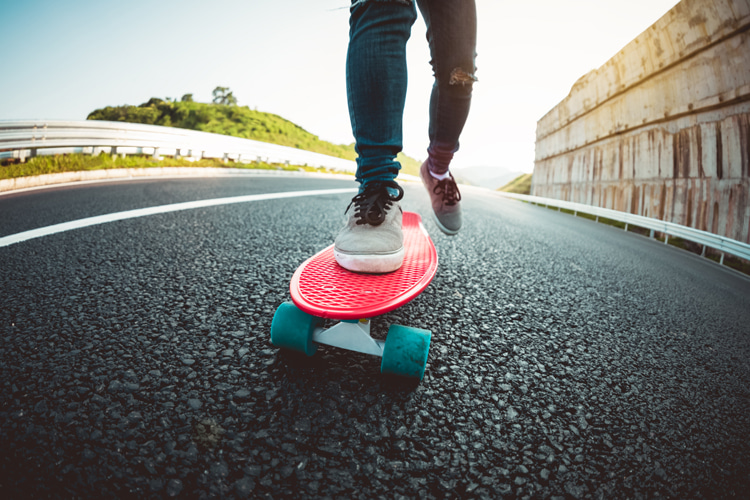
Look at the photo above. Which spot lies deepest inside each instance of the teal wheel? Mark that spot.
(405, 351)
(293, 329)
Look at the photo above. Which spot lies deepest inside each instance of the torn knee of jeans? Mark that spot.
(461, 77)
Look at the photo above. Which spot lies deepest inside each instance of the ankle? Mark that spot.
(438, 161)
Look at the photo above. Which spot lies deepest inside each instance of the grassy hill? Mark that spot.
(519, 185)
(238, 121)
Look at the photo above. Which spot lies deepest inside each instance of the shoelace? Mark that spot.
(447, 187)
(371, 205)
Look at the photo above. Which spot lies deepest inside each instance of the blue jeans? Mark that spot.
(376, 79)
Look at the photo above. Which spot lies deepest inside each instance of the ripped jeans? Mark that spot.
(376, 79)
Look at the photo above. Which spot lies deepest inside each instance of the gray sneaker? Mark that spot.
(445, 199)
(372, 240)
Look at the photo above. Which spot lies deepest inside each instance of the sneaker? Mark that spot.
(372, 241)
(445, 199)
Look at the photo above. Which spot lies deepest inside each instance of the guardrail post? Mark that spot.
(721, 261)
(666, 238)
(626, 226)
(156, 156)
(651, 234)
(703, 252)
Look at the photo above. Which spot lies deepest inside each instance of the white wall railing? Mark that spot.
(29, 138)
(720, 243)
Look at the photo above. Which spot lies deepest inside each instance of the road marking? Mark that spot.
(163, 209)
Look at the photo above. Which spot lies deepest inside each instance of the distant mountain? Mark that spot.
(487, 177)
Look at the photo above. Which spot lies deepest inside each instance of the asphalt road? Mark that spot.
(569, 359)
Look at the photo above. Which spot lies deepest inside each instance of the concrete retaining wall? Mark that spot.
(663, 128)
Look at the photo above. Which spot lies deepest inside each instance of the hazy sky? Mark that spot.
(63, 59)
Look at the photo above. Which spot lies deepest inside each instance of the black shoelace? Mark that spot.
(447, 187)
(371, 205)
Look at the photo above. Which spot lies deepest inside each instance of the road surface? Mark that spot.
(569, 359)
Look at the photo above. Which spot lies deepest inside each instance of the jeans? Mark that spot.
(376, 79)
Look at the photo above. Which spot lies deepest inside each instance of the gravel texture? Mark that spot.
(568, 360)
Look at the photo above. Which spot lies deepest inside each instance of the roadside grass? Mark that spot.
(735, 263)
(79, 162)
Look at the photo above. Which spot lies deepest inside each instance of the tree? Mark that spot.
(222, 95)
(187, 98)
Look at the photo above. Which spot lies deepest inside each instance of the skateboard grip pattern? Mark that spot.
(323, 288)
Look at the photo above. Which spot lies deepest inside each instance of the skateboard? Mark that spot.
(322, 290)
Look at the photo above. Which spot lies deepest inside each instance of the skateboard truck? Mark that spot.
(353, 335)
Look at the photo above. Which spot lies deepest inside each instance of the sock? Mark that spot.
(439, 177)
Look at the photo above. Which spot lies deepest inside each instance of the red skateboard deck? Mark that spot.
(322, 288)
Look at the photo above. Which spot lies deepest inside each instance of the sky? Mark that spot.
(63, 60)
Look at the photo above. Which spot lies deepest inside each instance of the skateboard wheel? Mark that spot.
(293, 329)
(405, 351)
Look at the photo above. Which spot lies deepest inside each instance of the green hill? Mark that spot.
(519, 185)
(238, 121)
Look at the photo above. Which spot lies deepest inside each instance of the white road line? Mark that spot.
(163, 209)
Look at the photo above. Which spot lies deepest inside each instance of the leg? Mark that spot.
(452, 35)
(372, 240)
(376, 83)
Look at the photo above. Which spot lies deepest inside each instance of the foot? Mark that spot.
(445, 199)
(372, 241)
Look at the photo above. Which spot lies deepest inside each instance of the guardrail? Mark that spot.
(720, 243)
(29, 138)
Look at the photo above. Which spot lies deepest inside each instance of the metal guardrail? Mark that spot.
(720, 243)
(29, 138)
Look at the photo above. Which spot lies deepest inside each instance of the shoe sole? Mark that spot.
(374, 264)
(444, 229)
